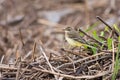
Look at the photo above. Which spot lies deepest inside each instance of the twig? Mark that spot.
(27, 55)
(21, 38)
(104, 22)
(80, 60)
(98, 59)
(72, 63)
(22, 73)
(1, 61)
(44, 54)
(107, 25)
(18, 71)
(17, 54)
(74, 77)
(31, 78)
(7, 67)
(91, 37)
(113, 56)
(71, 52)
(33, 55)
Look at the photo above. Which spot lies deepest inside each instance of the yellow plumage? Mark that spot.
(73, 42)
(73, 38)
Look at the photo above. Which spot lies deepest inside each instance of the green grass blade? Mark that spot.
(109, 43)
(117, 64)
(116, 28)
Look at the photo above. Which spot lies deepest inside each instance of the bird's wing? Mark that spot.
(76, 36)
(80, 39)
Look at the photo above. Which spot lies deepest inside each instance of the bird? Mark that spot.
(73, 37)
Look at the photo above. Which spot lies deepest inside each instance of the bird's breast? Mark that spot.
(73, 42)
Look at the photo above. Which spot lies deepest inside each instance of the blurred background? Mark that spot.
(33, 20)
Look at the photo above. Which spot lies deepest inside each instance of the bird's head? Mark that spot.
(68, 29)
